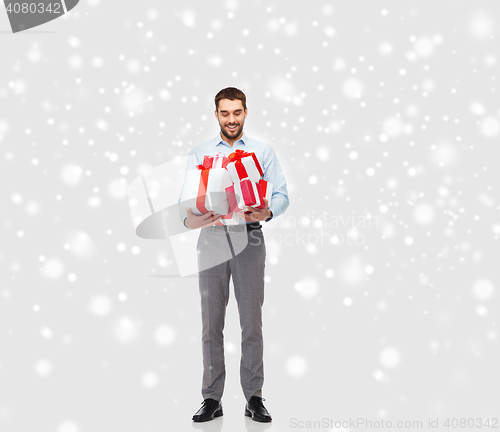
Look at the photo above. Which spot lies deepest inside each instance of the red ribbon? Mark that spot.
(261, 190)
(202, 191)
(236, 157)
(263, 185)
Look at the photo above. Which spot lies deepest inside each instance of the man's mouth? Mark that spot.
(232, 128)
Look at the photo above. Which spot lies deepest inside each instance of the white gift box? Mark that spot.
(215, 195)
(246, 169)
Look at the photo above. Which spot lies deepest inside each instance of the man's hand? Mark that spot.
(257, 214)
(194, 221)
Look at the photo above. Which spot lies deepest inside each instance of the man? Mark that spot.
(217, 263)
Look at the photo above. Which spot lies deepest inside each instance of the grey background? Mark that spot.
(382, 109)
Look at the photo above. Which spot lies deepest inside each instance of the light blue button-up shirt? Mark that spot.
(265, 155)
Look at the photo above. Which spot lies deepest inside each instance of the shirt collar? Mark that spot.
(220, 140)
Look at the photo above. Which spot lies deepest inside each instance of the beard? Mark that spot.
(231, 135)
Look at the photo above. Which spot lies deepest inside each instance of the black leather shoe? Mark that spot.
(256, 409)
(210, 409)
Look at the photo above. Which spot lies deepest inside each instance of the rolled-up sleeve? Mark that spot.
(274, 174)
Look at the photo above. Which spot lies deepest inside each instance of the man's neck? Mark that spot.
(231, 142)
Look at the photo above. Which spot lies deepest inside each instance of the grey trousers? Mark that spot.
(241, 255)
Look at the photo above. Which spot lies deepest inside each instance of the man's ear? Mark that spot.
(216, 115)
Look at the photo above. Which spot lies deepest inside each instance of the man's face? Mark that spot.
(231, 118)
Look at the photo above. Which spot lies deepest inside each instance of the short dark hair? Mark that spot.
(231, 93)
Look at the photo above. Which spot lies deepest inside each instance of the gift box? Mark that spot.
(214, 161)
(204, 190)
(246, 193)
(241, 165)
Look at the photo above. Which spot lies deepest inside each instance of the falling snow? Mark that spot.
(381, 277)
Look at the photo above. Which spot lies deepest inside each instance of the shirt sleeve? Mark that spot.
(274, 174)
(191, 165)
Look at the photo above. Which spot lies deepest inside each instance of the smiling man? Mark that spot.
(218, 263)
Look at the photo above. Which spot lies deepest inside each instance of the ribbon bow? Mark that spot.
(236, 157)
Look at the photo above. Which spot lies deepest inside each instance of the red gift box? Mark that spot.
(244, 194)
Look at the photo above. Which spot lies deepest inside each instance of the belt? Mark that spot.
(231, 228)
